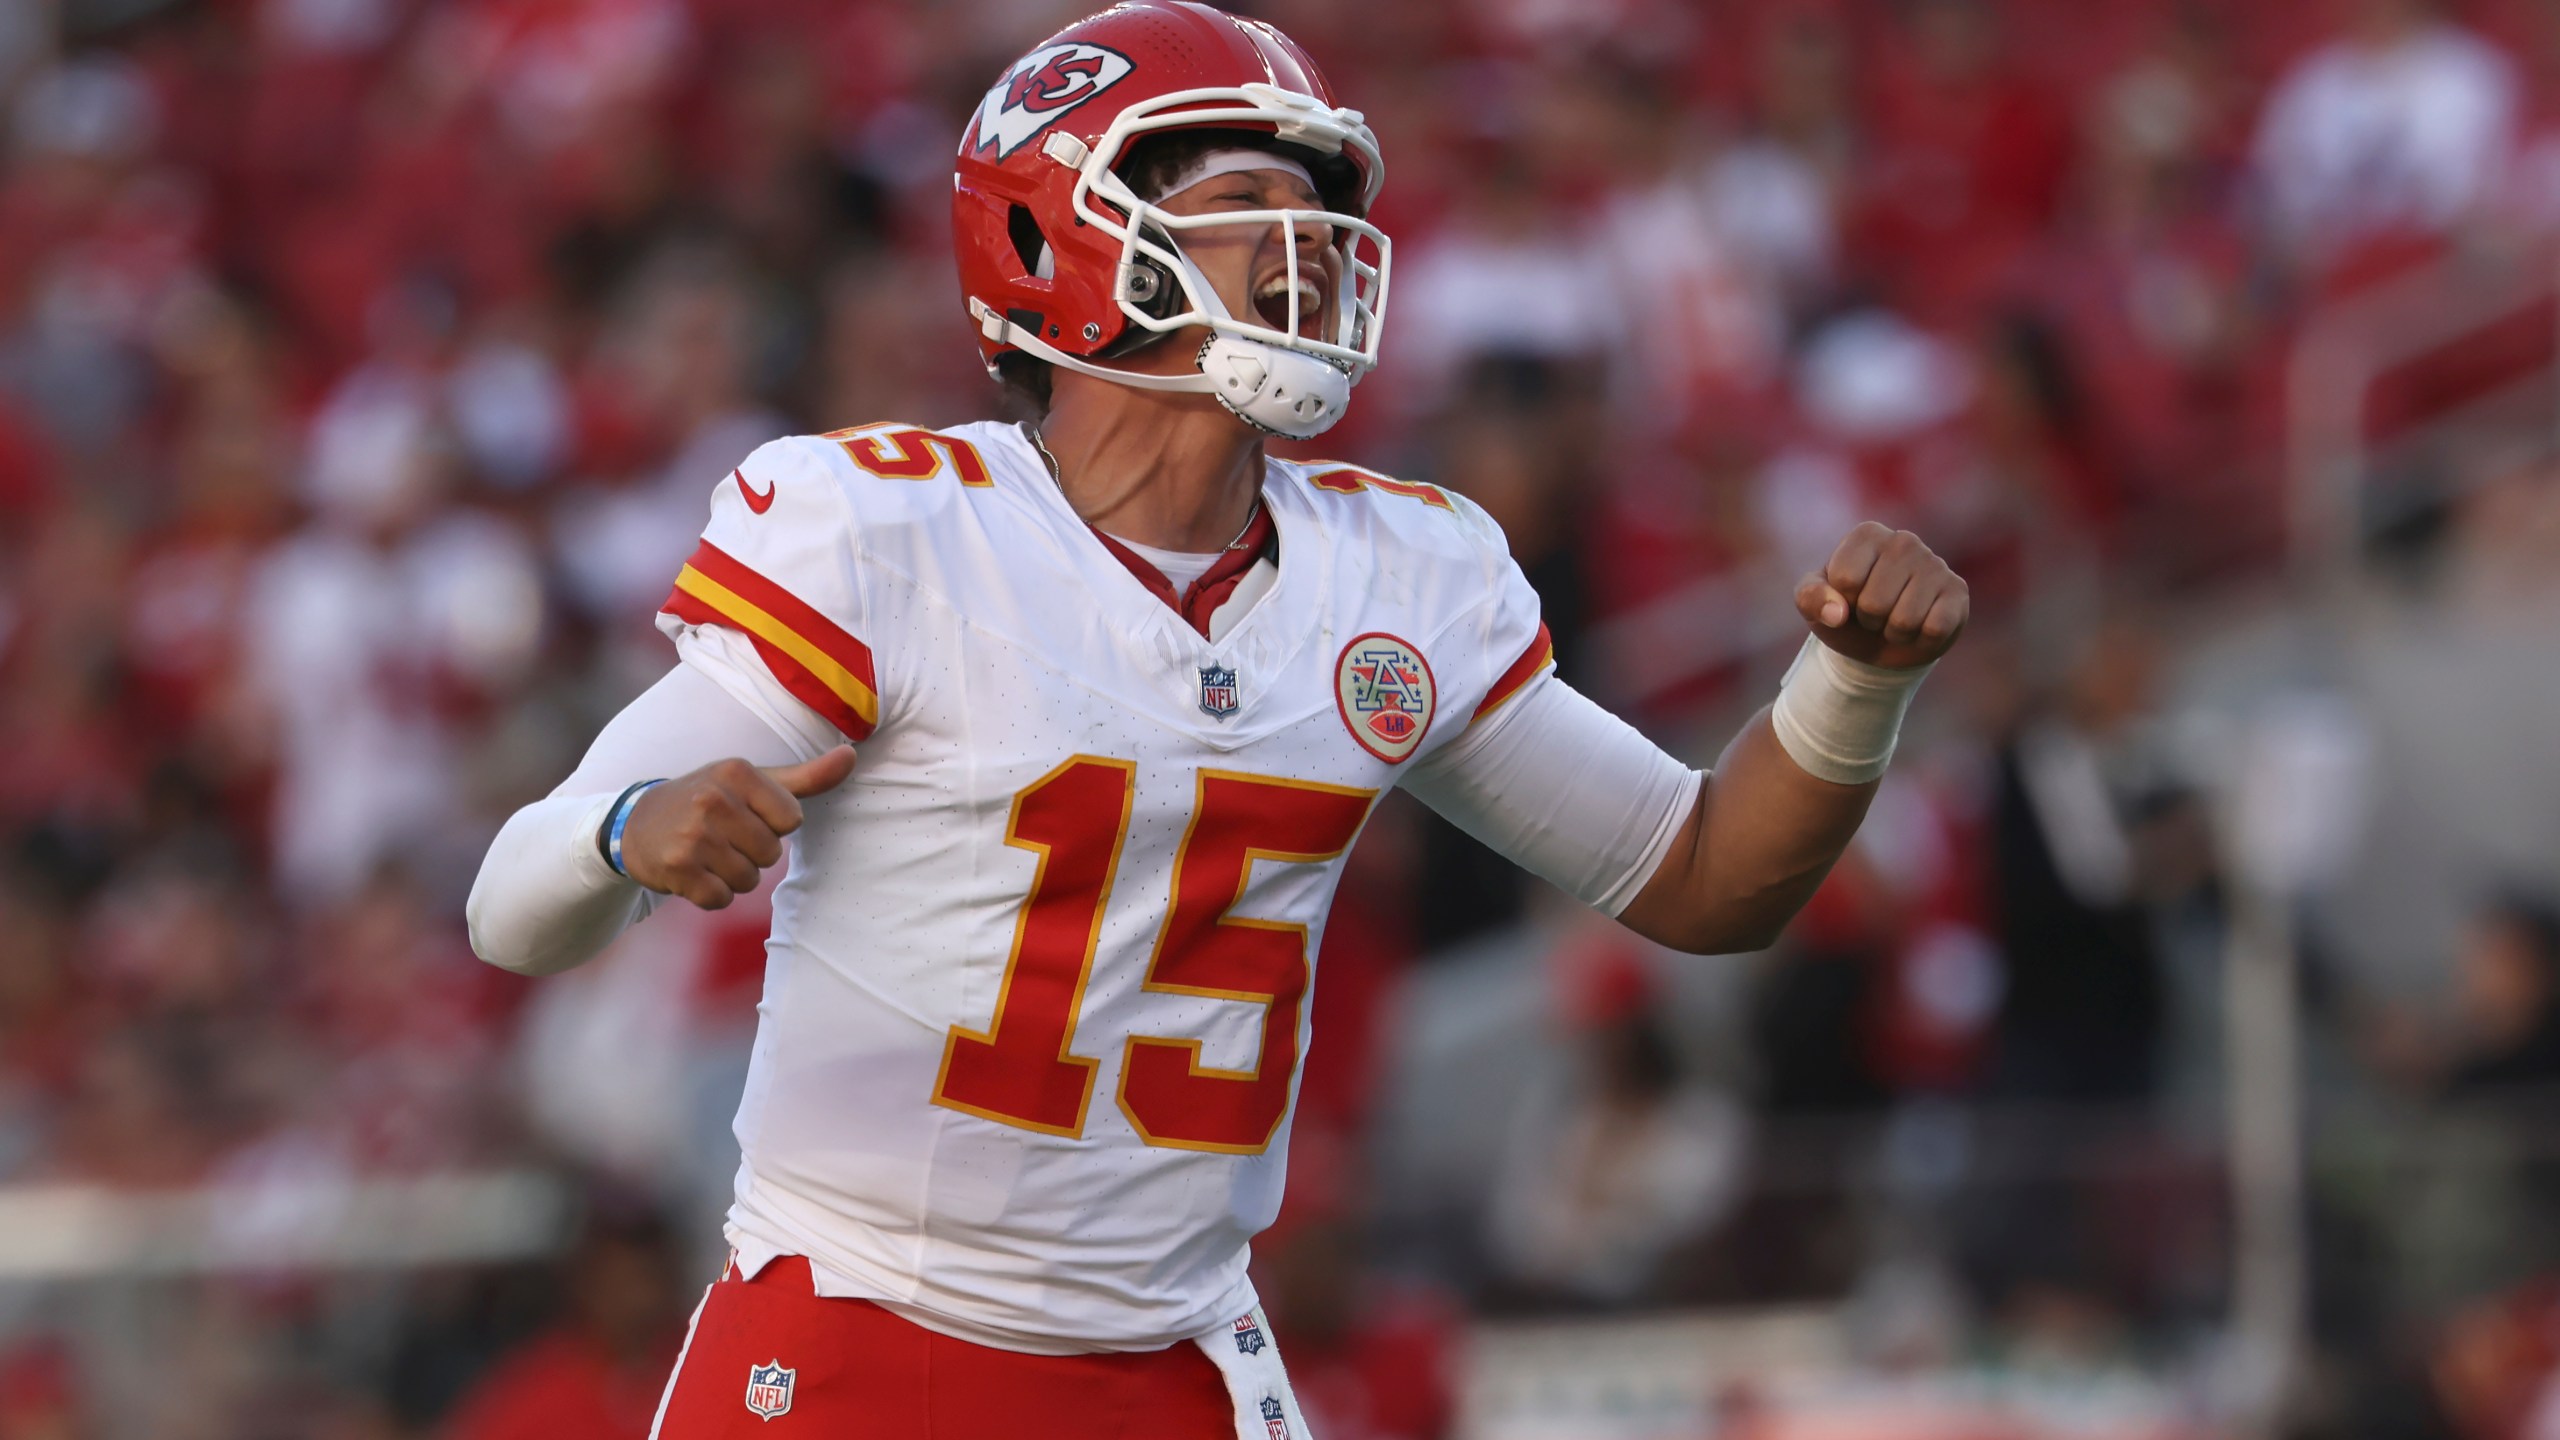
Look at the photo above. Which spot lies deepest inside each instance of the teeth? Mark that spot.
(1278, 285)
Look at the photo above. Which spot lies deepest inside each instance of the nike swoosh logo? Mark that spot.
(759, 503)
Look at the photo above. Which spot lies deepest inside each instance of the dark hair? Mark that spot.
(1025, 380)
(1155, 161)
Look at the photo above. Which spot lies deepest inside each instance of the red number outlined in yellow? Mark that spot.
(1169, 1096)
(904, 452)
(1344, 480)
(1019, 1070)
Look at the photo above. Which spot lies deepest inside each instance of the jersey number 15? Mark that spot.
(1020, 1070)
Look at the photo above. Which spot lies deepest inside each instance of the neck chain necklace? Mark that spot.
(1060, 480)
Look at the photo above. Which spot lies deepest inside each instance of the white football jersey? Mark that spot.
(1038, 980)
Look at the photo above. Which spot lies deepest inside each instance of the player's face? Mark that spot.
(1249, 264)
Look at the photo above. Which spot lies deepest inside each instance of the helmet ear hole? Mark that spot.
(1150, 284)
(1029, 244)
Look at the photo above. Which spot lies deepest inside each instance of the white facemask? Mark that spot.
(1273, 378)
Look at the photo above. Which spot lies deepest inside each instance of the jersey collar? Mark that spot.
(1260, 540)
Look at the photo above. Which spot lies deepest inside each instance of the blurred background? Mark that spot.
(2176, 1054)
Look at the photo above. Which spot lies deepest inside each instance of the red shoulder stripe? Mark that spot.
(1540, 654)
(812, 656)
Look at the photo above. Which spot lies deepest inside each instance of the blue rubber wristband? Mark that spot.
(616, 818)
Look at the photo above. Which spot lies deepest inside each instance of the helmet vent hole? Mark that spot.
(1029, 243)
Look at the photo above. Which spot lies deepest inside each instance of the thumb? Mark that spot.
(814, 777)
(1820, 604)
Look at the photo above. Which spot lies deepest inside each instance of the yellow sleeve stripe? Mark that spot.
(812, 657)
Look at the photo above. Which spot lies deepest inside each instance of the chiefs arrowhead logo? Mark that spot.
(1040, 88)
(1056, 85)
(758, 501)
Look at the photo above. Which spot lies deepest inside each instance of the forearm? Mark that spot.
(1761, 839)
(545, 900)
(1784, 801)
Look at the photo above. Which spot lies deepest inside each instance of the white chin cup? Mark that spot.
(1287, 392)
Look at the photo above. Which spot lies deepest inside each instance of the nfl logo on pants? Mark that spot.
(769, 1389)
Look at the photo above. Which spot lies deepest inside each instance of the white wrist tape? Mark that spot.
(1837, 717)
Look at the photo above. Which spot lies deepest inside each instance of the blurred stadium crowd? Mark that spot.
(365, 366)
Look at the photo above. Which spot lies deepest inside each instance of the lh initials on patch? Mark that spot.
(1384, 690)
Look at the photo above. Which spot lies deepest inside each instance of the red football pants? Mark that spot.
(859, 1372)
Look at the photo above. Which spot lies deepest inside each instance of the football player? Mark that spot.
(1125, 690)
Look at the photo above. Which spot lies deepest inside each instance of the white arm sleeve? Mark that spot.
(545, 899)
(1566, 790)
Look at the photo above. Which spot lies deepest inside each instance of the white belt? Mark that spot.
(1257, 1383)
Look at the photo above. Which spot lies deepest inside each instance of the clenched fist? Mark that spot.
(709, 835)
(1885, 598)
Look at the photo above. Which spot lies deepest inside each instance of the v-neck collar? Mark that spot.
(1200, 600)
(1160, 601)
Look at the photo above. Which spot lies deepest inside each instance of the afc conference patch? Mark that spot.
(1217, 691)
(1249, 1339)
(769, 1389)
(1384, 689)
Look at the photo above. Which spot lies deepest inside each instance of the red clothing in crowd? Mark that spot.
(563, 1386)
(1385, 1379)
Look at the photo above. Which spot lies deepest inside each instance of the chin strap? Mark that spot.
(1284, 392)
(1004, 332)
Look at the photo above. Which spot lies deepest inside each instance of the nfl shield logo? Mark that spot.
(1217, 691)
(1275, 1419)
(1248, 1336)
(769, 1389)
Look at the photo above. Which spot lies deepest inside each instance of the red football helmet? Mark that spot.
(1061, 259)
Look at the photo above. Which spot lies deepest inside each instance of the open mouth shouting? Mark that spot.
(1271, 302)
